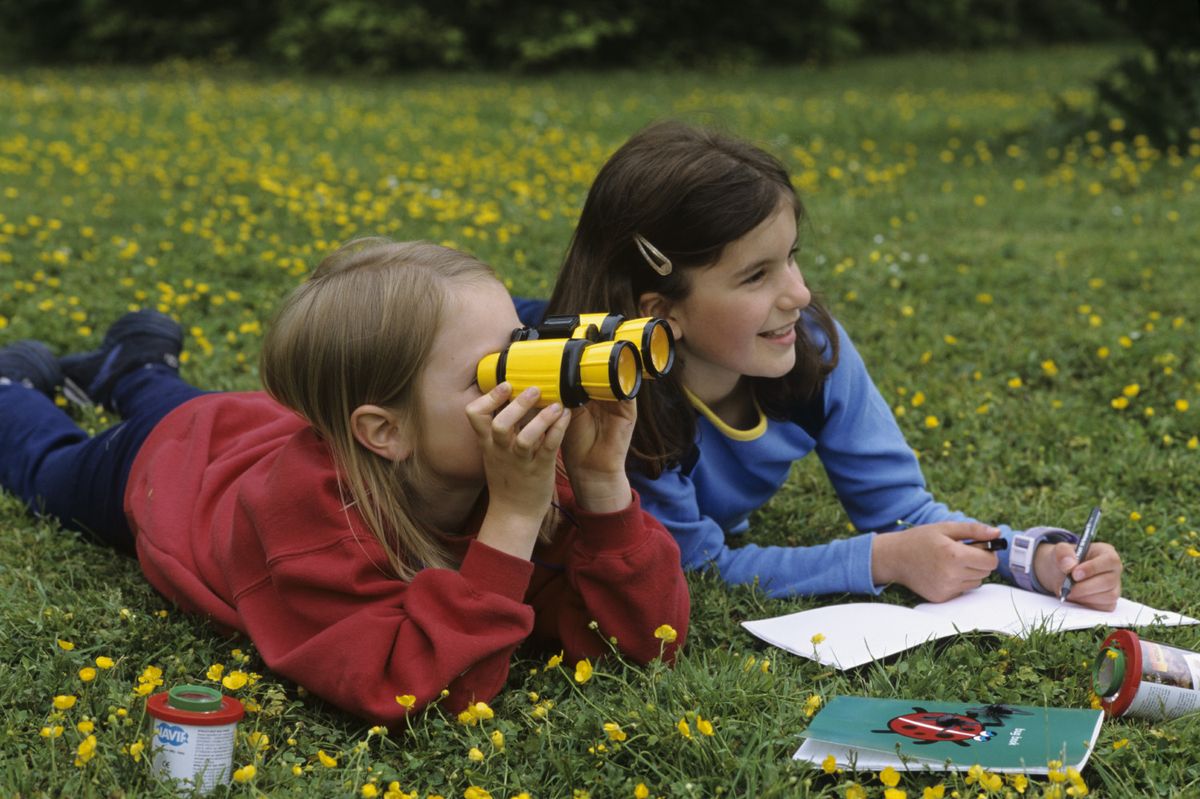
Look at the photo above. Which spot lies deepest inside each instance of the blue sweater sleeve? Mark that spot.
(872, 468)
(842, 566)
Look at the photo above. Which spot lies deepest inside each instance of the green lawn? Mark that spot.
(1027, 305)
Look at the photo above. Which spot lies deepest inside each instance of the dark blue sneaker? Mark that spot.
(135, 340)
(31, 364)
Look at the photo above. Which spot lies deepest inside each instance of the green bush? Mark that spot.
(133, 31)
(365, 35)
(1155, 93)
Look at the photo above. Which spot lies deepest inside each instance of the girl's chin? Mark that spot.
(775, 369)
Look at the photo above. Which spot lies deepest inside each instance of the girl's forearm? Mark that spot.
(509, 531)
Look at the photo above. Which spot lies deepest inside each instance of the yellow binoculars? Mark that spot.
(572, 359)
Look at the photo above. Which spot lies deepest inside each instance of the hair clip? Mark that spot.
(658, 262)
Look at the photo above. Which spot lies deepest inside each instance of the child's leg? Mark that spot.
(57, 470)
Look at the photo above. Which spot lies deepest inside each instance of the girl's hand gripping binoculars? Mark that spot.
(572, 359)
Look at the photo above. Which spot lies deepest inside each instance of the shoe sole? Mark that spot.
(137, 323)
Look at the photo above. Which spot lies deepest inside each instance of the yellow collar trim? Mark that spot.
(725, 429)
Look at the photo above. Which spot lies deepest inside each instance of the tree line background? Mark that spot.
(386, 35)
(1156, 90)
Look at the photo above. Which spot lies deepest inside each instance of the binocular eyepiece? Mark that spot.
(572, 359)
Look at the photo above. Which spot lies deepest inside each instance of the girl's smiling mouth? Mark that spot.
(780, 332)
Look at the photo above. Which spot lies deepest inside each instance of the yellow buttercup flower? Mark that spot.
(245, 773)
(818, 638)
(583, 671)
(65, 702)
(684, 728)
(889, 777)
(87, 674)
(406, 701)
(704, 726)
(474, 754)
(235, 680)
(614, 731)
(666, 633)
(640, 791)
(554, 660)
(215, 672)
(86, 750)
(104, 662)
(326, 760)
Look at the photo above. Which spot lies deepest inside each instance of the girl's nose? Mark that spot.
(795, 295)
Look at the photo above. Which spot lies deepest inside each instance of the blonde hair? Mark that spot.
(359, 331)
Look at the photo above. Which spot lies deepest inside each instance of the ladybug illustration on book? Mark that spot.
(931, 726)
(997, 712)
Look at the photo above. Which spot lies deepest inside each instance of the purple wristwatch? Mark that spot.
(1024, 546)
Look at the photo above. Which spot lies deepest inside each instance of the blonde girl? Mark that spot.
(376, 526)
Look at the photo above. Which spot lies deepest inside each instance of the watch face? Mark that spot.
(1021, 551)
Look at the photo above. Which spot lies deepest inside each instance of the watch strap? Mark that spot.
(1024, 547)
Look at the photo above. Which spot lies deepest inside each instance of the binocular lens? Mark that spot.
(655, 341)
(610, 370)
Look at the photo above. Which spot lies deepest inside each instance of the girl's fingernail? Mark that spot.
(555, 407)
(530, 392)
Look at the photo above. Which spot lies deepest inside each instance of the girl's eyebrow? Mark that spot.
(745, 270)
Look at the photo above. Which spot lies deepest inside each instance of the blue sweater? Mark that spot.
(734, 472)
(872, 469)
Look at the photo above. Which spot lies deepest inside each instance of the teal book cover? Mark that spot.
(928, 734)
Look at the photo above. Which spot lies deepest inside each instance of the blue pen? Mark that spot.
(1081, 550)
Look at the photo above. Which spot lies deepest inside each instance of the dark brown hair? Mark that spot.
(690, 192)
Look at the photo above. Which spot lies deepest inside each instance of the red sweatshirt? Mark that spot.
(238, 516)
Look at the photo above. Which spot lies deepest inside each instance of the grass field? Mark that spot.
(1027, 304)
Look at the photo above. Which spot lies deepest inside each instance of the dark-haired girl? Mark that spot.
(700, 229)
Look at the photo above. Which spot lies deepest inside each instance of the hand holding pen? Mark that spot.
(1081, 550)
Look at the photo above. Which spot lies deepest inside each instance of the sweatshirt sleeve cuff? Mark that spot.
(491, 571)
(607, 533)
(862, 565)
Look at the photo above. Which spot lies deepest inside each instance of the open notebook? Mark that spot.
(852, 634)
(869, 734)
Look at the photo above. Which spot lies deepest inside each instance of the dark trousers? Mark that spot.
(59, 471)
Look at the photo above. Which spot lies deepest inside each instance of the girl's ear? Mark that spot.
(381, 431)
(654, 304)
